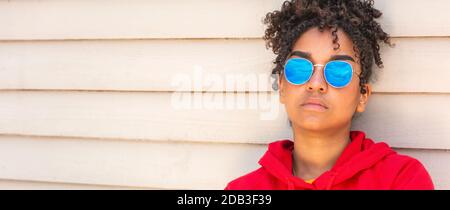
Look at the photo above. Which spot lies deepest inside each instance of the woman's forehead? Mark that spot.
(321, 43)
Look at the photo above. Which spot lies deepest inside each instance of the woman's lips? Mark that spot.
(314, 104)
(314, 107)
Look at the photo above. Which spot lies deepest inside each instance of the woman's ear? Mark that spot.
(364, 98)
(281, 89)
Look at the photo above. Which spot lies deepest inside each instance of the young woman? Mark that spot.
(325, 50)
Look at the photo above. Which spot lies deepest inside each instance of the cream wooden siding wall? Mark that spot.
(86, 89)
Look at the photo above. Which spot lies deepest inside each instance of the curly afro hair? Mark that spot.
(355, 17)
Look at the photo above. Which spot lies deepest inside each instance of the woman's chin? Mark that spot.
(314, 125)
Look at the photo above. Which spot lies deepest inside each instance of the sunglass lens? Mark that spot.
(338, 73)
(298, 71)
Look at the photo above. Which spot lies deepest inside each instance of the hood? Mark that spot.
(360, 154)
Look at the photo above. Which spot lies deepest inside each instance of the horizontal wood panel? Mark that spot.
(151, 164)
(413, 65)
(66, 19)
(141, 164)
(127, 65)
(406, 121)
(132, 19)
(33, 185)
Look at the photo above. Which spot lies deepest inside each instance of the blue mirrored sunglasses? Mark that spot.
(337, 73)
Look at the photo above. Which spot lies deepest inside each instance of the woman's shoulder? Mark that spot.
(401, 161)
(408, 172)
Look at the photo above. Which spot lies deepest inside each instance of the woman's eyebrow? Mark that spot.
(342, 57)
(300, 54)
(308, 56)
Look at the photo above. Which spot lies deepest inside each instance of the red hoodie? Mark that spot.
(362, 165)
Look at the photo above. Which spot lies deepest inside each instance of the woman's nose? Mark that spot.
(317, 81)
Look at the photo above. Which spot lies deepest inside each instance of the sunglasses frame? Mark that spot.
(313, 69)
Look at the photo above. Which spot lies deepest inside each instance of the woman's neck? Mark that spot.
(316, 152)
